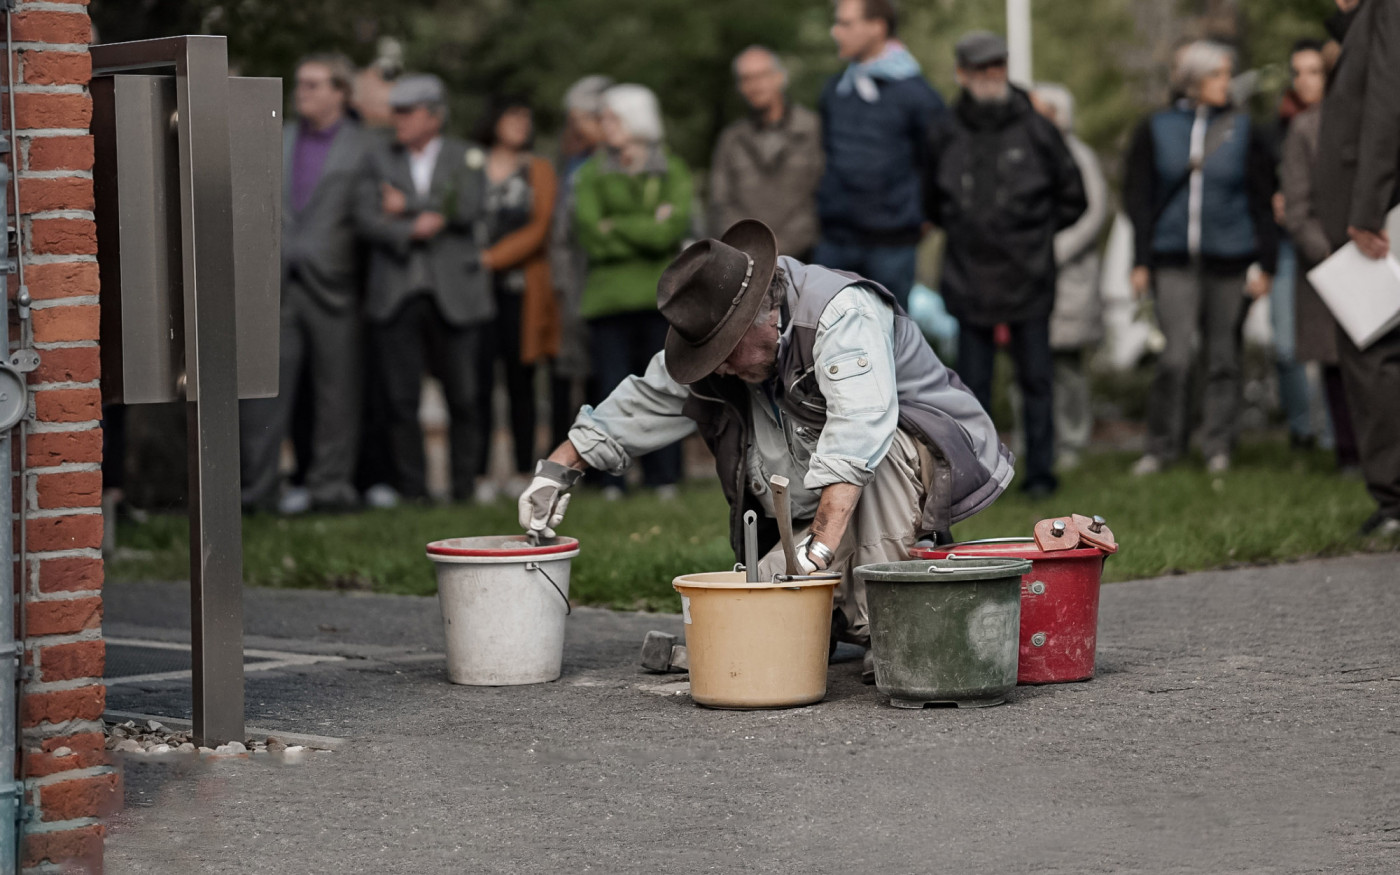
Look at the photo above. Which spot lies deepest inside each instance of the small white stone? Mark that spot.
(154, 725)
(206, 749)
(126, 745)
(236, 747)
(160, 748)
(187, 747)
(63, 752)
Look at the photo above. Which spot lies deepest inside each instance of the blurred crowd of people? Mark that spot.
(410, 252)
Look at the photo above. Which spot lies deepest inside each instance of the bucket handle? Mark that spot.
(535, 566)
(998, 541)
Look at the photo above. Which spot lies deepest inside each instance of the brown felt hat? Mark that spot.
(711, 295)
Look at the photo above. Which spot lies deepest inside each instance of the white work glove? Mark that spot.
(806, 562)
(543, 503)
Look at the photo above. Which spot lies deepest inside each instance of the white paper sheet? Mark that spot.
(1362, 293)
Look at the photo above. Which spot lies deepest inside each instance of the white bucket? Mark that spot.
(504, 602)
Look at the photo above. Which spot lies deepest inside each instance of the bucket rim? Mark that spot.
(962, 570)
(455, 548)
(1027, 550)
(743, 583)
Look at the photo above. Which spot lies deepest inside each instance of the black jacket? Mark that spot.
(1001, 182)
(1358, 164)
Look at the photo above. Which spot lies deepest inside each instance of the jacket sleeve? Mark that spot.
(1296, 182)
(1140, 192)
(928, 111)
(722, 212)
(520, 246)
(394, 233)
(1070, 200)
(1083, 235)
(644, 233)
(1379, 141)
(643, 414)
(599, 245)
(932, 155)
(1263, 182)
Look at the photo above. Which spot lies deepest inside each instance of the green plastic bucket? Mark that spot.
(945, 631)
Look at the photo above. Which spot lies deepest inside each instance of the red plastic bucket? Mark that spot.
(1059, 606)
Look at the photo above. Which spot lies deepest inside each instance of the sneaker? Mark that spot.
(613, 493)
(485, 492)
(296, 500)
(382, 496)
(1380, 524)
(1218, 463)
(669, 492)
(867, 668)
(1148, 464)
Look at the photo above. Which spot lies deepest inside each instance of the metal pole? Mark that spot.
(1018, 41)
(10, 649)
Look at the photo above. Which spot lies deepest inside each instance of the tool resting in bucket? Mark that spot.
(809, 373)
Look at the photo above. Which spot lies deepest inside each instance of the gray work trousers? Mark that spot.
(883, 527)
(1372, 379)
(329, 343)
(1199, 311)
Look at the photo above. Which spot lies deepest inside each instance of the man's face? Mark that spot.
(857, 37)
(1348, 5)
(316, 97)
(585, 124)
(987, 83)
(416, 126)
(1309, 80)
(755, 359)
(759, 79)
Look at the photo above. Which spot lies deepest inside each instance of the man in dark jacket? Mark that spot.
(1001, 182)
(1355, 189)
(874, 119)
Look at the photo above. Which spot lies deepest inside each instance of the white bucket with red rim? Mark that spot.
(504, 602)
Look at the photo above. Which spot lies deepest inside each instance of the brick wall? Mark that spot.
(68, 782)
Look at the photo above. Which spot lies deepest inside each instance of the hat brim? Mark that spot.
(689, 363)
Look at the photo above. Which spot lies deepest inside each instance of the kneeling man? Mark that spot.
(814, 374)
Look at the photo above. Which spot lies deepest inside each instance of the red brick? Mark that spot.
(84, 703)
(64, 193)
(81, 848)
(48, 448)
(73, 364)
(93, 796)
(86, 751)
(69, 662)
(68, 405)
(70, 489)
(60, 324)
(57, 68)
(69, 532)
(70, 574)
(41, 110)
(63, 616)
(64, 280)
(60, 153)
(63, 237)
(52, 27)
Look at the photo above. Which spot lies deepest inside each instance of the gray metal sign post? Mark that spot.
(205, 288)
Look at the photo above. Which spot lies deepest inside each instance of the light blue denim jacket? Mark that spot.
(644, 413)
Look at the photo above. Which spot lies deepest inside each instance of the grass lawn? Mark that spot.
(1275, 506)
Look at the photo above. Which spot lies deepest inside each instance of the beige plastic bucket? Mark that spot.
(756, 645)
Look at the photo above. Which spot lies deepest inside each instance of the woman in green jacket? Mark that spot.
(632, 204)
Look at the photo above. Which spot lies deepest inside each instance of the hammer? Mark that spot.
(661, 654)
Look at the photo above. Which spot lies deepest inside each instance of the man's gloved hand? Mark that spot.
(543, 503)
(811, 561)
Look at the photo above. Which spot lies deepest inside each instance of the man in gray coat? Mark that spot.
(767, 165)
(323, 160)
(421, 207)
(1357, 163)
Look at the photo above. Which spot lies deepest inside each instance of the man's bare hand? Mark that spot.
(1142, 281)
(392, 201)
(664, 211)
(1280, 206)
(1373, 244)
(1258, 285)
(428, 225)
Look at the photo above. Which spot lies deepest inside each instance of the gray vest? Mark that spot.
(934, 406)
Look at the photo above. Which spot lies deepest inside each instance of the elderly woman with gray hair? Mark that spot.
(632, 203)
(1197, 186)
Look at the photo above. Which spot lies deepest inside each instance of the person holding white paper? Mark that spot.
(1358, 163)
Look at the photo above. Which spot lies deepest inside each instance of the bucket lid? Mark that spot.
(944, 570)
(500, 546)
(1010, 548)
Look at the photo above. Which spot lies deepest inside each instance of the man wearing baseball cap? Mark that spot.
(813, 374)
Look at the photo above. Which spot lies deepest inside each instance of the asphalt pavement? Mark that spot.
(1241, 721)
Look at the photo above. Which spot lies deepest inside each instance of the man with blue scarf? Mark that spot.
(875, 121)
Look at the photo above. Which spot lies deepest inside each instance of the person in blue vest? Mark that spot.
(813, 374)
(875, 118)
(1198, 187)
